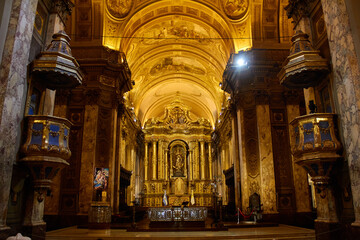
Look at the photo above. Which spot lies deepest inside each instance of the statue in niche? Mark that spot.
(178, 164)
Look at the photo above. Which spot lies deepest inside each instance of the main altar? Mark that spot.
(177, 163)
(177, 216)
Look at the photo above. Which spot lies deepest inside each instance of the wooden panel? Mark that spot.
(282, 161)
(70, 179)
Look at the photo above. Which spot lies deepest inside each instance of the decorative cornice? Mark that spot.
(110, 64)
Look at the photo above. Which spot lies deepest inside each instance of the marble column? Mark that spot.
(146, 161)
(116, 197)
(133, 175)
(236, 157)
(243, 164)
(346, 82)
(202, 159)
(210, 162)
(154, 160)
(13, 84)
(301, 184)
(267, 174)
(88, 158)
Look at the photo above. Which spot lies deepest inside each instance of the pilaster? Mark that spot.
(267, 174)
(88, 158)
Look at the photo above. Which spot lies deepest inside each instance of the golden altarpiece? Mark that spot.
(178, 159)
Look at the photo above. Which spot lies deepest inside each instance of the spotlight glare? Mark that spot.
(241, 62)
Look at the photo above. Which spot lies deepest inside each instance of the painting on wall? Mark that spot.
(101, 178)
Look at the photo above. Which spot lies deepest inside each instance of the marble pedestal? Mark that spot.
(100, 215)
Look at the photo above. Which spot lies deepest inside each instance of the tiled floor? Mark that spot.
(272, 233)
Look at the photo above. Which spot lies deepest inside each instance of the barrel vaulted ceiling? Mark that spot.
(178, 49)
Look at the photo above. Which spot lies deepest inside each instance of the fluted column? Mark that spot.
(166, 171)
(210, 161)
(202, 159)
(146, 161)
(191, 165)
(196, 161)
(154, 160)
(160, 160)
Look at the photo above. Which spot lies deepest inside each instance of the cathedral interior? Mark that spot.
(125, 110)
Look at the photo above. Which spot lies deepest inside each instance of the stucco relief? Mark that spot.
(175, 29)
(235, 9)
(177, 64)
(119, 8)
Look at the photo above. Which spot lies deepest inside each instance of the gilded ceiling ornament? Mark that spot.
(235, 9)
(175, 29)
(119, 8)
(176, 64)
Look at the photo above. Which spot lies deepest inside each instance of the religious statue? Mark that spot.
(178, 166)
